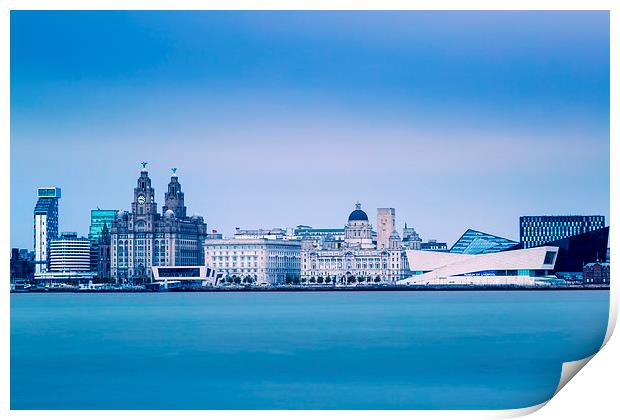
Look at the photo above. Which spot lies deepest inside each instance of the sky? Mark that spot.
(274, 119)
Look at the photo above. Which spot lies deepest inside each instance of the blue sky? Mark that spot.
(457, 119)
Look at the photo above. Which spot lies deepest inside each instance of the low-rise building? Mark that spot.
(433, 245)
(264, 261)
(596, 273)
(69, 259)
(521, 267)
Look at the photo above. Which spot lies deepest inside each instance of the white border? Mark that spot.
(593, 394)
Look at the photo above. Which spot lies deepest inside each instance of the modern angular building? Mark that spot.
(538, 230)
(576, 251)
(144, 238)
(476, 242)
(45, 225)
(522, 267)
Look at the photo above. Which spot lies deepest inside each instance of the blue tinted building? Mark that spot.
(538, 230)
(476, 242)
(45, 225)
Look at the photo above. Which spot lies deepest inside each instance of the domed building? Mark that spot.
(144, 238)
(358, 231)
(356, 259)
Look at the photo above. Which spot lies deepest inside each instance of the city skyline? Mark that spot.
(278, 122)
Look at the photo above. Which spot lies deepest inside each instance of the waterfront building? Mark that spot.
(45, 225)
(355, 258)
(386, 223)
(476, 242)
(143, 238)
(433, 245)
(69, 259)
(166, 278)
(596, 273)
(262, 261)
(521, 267)
(538, 230)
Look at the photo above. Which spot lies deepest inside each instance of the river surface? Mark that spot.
(298, 350)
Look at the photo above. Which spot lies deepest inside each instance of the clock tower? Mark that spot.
(144, 207)
(175, 199)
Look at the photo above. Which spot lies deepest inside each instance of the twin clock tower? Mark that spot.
(144, 238)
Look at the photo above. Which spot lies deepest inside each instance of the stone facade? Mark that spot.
(386, 221)
(357, 257)
(265, 261)
(144, 238)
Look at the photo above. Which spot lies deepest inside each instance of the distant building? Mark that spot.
(319, 236)
(264, 261)
(596, 273)
(538, 230)
(98, 220)
(411, 239)
(69, 259)
(275, 233)
(22, 266)
(103, 257)
(433, 245)
(476, 242)
(355, 258)
(45, 225)
(386, 223)
(144, 238)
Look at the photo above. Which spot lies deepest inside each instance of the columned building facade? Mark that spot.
(144, 238)
(356, 258)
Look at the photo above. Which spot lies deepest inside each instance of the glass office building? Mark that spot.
(538, 230)
(475, 242)
(97, 219)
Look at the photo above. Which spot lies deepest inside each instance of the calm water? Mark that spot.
(326, 350)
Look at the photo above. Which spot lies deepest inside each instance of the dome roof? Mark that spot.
(358, 214)
(168, 214)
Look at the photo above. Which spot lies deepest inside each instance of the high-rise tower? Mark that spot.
(45, 226)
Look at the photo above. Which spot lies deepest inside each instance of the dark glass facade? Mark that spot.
(576, 251)
(539, 230)
(476, 242)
